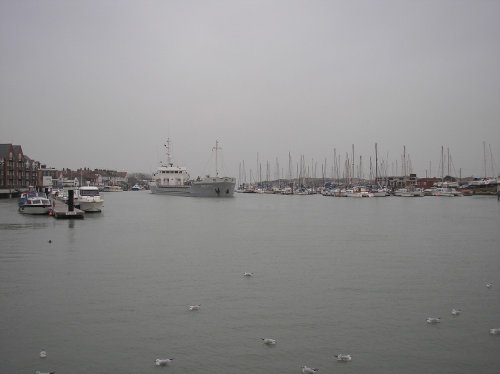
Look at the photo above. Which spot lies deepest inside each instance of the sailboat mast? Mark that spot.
(484, 159)
(404, 161)
(442, 164)
(448, 152)
(492, 161)
(352, 175)
(376, 164)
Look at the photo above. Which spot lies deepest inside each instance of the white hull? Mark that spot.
(91, 206)
(89, 199)
(360, 194)
(446, 192)
(34, 209)
(404, 192)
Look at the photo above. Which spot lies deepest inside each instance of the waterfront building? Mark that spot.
(18, 172)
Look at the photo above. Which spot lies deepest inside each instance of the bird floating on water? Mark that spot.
(43, 354)
(494, 331)
(195, 307)
(308, 370)
(269, 341)
(488, 285)
(163, 361)
(456, 312)
(49, 372)
(343, 357)
(433, 319)
(247, 274)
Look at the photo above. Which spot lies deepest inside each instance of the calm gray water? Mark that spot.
(110, 294)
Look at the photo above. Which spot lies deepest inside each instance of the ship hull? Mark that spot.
(90, 206)
(213, 187)
(208, 187)
(169, 190)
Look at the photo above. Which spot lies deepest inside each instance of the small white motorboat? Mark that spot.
(89, 199)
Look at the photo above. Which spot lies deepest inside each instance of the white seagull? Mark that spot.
(308, 370)
(488, 285)
(269, 341)
(43, 354)
(247, 274)
(494, 331)
(343, 357)
(456, 312)
(195, 307)
(163, 361)
(433, 319)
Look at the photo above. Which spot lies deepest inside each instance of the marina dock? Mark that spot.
(61, 210)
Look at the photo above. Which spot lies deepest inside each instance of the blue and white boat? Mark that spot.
(33, 202)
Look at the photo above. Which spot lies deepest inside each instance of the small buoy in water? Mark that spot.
(433, 319)
(43, 354)
(269, 341)
(195, 307)
(456, 312)
(308, 370)
(343, 357)
(50, 241)
(163, 361)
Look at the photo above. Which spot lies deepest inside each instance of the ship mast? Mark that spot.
(167, 146)
(216, 148)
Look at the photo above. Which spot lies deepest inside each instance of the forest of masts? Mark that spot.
(349, 169)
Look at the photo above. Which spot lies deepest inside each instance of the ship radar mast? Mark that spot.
(167, 146)
(216, 148)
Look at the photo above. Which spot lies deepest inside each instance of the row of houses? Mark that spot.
(19, 172)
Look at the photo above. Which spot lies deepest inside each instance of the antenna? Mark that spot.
(216, 148)
(167, 146)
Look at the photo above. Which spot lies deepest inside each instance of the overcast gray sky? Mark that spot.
(102, 84)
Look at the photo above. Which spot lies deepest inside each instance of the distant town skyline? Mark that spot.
(104, 84)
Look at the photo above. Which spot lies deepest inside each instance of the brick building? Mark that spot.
(17, 170)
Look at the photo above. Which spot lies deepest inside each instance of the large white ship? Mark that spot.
(174, 180)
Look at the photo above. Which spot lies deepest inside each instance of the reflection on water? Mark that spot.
(23, 226)
(110, 293)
